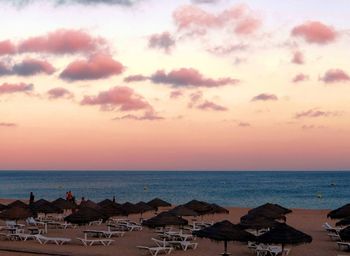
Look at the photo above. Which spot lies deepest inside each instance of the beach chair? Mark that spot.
(22, 236)
(154, 251)
(57, 240)
(109, 234)
(343, 246)
(96, 222)
(91, 242)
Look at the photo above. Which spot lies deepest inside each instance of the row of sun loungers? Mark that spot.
(267, 250)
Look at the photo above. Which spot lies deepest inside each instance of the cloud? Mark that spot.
(243, 124)
(224, 50)
(313, 113)
(7, 47)
(163, 41)
(5, 69)
(334, 76)
(147, 116)
(30, 67)
(312, 127)
(136, 78)
(123, 98)
(315, 32)
(189, 77)
(7, 88)
(59, 92)
(62, 41)
(239, 19)
(265, 97)
(80, 2)
(9, 125)
(98, 66)
(298, 58)
(300, 78)
(205, 1)
(176, 94)
(209, 105)
(194, 98)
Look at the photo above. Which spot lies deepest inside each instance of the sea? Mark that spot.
(293, 189)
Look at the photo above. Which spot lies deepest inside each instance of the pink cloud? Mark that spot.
(29, 67)
(147, 116)
(135, 78)
(123, 98)
(209, 105)
(243, 124)
(163, 41)
(59, 92)
(315, 32)
(265, 97)
(298, 58)
(176, 94)
(9, 125)
(189, 77)
(313, 113)
(224, 50)
(239, 19)
(5, 70)
(98, 66)
(335, 75)
(62, 41)
(7, 47)
(7, 88)
(300, 78)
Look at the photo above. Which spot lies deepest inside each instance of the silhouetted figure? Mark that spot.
(82, 199)
(31, 198)
(113, 199)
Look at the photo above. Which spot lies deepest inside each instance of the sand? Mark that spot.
(309, 221)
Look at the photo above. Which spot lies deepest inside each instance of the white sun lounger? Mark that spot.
(91, 242)
(154, 251)
(57, 240)
(344, 245)
(22, 236)
(96, 222)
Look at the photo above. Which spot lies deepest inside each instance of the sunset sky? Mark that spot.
(174, 85)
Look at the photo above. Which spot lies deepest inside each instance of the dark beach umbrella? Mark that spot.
(217, 209)
(130, 208)
(143, 207)
(2, 207)
(340, 213)
(278, 209)
(85, 215)
(202, 208)
(343, 222)
(183, 211)
(345, 234)
(113, 209)
(157, 202)
(16, 213)
(89, 204)
(64, 204)
(43, 206)
(284, 235)
(105, 202)
(258, 223)
(264, 212)
(165, 219)
(225, 231)
(17, 203)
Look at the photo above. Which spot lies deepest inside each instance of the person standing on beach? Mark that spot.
(31, 198)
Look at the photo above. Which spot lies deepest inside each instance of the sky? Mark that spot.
(174, 85)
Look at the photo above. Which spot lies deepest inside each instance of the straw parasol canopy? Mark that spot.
(345, 234)
(217, 209)
(105, 202)
(113, 209)
(17, 203)
(225, 231)
(165, 219)
(43, 206)
(202, 208)
(258, 223)
(271, 207)
(64, 204)
(340, 213)
(16, 213)
(130, 208)
(182, 210)
(264, 212)
(85, 215)
(343, 222)
(143, 207)
(284, 235)
(2, 207)
(89, 204)
(157, 202)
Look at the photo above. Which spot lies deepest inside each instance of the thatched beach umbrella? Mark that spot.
(85, 215)
(64, 204)
(17, 203)
(340, 213)
(43, 206)
(142, 207)
(343, 222)
(130, 208)
(113, 209)
(202, 208)
(105, 202)
(278, 209)
(345, 234)
(89, 204)
(217, 209)
(284, 235)
(2, 207)
(258, 223)
(157, 202)
(16, 213)
(182, 210)
(165, 219)
(225, 231)
(265, 213)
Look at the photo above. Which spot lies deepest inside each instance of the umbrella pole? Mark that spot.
(225, 246)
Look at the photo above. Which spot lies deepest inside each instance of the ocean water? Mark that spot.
(312, 190)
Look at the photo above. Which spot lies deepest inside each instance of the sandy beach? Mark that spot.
(309, 221)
